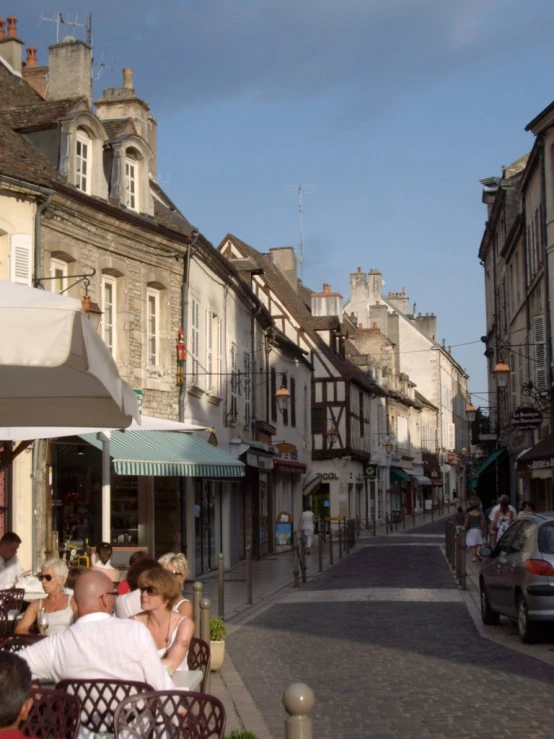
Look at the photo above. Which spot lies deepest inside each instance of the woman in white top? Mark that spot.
(59, 607)
(307, 527)
(177, 564)
(159, 590)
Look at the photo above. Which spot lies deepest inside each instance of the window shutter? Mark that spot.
(21, 259)
(293, 402)
(209, 351)
(219, 364)
(247, 389)
(540, 353)
(424, 437)
(273, 390)
(451, 436)
(195, 340)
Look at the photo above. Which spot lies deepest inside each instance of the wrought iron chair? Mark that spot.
(100, 698)
(54, 714)
(5, 623)
(198, 658)
(17, 642)
(11, 599)
(171, 715)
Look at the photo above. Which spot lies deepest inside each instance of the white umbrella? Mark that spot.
(55, 370)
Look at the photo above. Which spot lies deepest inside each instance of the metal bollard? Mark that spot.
(249, 576)
(205, 606)
(374, 522)
(462, 557)
(298, 700)
(403, 520)
(346, 537)
(295, 566)
(302, 555)
(196, 598)
(320, 553)
(432, 511)
(413, 516)
(220, 586)
(340, 541)
(330, 546)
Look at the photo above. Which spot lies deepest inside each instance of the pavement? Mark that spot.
(389, 645)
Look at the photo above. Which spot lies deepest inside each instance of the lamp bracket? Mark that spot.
(85, 278)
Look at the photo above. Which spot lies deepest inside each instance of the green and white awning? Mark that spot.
(167, 454)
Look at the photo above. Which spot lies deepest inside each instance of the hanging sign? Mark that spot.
(526, 418)
(370, 471)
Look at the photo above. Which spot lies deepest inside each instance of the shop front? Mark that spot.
(255, 502)
(536, 466)
(400, 491)
(289, 498)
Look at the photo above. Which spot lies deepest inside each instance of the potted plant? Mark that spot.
(244, 734)
(217, 642)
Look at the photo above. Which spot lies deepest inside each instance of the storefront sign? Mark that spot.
(541, 464)
(526, 418)
(283, 529)
(286, 451)
(138, 393)
(371, 471)
(261, 461)
(330, 476)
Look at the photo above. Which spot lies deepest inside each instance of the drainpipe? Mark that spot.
(544, 237)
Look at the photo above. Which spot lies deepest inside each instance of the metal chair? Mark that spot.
(171, 715)
(54, 713)
(199, 658)
(17, 642)
(5, 623)
(11, 599)
(100, 698)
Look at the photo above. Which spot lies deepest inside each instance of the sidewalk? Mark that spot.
(272, 578)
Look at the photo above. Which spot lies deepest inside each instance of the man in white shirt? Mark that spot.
(494, 509)
(306, 525)
(10, 566)
(98, 646)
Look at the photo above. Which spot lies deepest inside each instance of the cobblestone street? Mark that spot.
(386, 643)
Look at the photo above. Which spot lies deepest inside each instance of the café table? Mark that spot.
(188, 679)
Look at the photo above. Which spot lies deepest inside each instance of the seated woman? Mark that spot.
(58, 606)
(102, 561)
(171, 632)
(177, 564)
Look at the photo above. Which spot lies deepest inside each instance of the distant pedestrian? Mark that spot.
(503, 518)
(475, 526)
(527, 509)
(459, 519)
(306, 526)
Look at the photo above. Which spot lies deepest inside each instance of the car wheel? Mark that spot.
(489, 617)
(525, 628)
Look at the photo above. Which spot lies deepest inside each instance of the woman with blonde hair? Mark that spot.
(177, 564)
(57, 611)
(159, 590)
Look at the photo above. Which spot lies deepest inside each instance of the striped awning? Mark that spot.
(167, 454)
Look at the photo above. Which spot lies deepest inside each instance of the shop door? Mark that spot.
(205, 526)
(322, 503)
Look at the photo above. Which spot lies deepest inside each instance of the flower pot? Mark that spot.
(217, 649)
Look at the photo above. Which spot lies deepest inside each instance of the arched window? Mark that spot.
(83, 161)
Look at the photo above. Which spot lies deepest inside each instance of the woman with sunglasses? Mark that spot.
(176, 563)
(58, 607)
(171, 632)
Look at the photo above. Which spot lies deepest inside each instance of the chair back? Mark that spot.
(54, 714)
(170, 714)
(198, 658)
(17, 642)
(100, 698)
(12, 599)
(5, 623)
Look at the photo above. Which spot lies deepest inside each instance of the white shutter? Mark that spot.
(540, 353)
(219, 364)
(451, 437)
(209, 350)
(195, 349)
(424, 437)
(21, 258)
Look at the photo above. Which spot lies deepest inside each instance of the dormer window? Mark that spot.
(83, 160)
(131, 181)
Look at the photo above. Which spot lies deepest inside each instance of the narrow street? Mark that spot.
(386, 642)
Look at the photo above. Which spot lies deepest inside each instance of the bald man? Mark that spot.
(98, 646)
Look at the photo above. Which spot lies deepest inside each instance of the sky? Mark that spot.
(387, 112)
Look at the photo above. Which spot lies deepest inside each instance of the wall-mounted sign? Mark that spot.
(284, 450)
(262, 461)
(330, 476)
(526, 418)
(370, 471)
(138, 393)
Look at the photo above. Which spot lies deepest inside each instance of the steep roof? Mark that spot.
(20, 160)
(115, 128)
(15, 90)
(295, 303)
(43, 114)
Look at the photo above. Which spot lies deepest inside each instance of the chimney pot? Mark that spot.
(128, 78)
(326, 287)
(359, 269)
(2, 29)
(12, 26)
(31, 56)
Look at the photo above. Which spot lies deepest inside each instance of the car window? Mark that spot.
(506, 540)
(546, 538)
(521, 537)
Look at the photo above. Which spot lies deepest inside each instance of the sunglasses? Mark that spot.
(177, 574)
(41, 577)
(149, 589)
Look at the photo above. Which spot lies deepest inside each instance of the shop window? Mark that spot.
(58, 273)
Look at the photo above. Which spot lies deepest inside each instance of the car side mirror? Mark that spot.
(486, 552)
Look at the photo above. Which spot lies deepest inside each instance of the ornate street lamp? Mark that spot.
(471, 412)
(92, 311)
(332, 437)
(282, 397)
(388, 447)
(502, 374)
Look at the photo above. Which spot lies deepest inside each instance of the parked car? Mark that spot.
(517, 576)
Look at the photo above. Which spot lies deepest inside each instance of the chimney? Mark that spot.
(326, 288)
(284, 258)
(2, 29)
(10, 45)
(128, 79)
(327, 303)
(70, 74)
(31, 57)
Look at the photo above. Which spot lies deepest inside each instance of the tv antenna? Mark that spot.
(60, 21)
(101, 66)
(301, 190)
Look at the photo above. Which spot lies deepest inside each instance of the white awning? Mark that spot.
(420, 480)
(311, 482)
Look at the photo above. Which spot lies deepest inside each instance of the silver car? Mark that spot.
(517, 576)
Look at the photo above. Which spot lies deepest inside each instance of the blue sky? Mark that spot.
(392, 109)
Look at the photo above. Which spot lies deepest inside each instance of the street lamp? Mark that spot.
(388, 447)
(332, 436)
(282, 396)
(471, 412)
(92, 311)
(501, 373)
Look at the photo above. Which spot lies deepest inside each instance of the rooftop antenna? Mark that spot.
(60, 21)
(301, 190)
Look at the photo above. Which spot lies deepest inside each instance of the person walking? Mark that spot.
(475, 526)
(503, 518)
(306, 526)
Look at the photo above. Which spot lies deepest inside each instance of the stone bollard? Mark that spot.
(205, 606)
(298, 700)
(220, 586)
(196, 598)
(249, 576)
